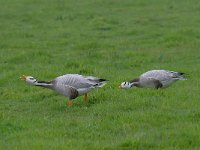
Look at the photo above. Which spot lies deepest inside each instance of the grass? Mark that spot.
(116, 40)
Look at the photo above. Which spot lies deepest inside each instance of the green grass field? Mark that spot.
(113, 39)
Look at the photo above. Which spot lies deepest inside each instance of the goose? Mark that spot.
(69, 85)
(154, 79)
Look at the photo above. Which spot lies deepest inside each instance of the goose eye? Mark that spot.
(31, 78)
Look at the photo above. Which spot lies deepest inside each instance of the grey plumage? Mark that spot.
(69, 85)
(157, 79)
(162, 77)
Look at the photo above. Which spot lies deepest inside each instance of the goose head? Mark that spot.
(28, 79)
(125, 85)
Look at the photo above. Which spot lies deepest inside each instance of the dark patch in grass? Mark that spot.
(85, 71)
(72, 65)
(105, 28)
(9, 128)
(59, 18)
(129, 145)
(195, 116)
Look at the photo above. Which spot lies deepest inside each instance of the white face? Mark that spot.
(30, 80)
(125, 85)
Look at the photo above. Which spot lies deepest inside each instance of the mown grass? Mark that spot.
(116, 40)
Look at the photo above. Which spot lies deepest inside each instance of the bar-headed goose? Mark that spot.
(69, 85)
(154, 79)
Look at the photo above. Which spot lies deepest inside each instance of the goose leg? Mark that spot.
(70, 103)
(86, 98)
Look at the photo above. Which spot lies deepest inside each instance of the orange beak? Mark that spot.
(23, 77)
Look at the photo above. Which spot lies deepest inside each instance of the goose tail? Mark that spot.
(98, 82)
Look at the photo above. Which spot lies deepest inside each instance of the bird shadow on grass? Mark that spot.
(77, 105)
(80, 104)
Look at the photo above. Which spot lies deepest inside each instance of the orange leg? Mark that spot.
(70, 103)
(86, 98)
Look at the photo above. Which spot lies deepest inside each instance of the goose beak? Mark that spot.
(23, 77)
(120, 87)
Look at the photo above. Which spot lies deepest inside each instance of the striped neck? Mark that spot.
(45, 84)
(135, 82)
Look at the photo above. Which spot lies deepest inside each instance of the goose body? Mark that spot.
(154, 79)
(69, 85)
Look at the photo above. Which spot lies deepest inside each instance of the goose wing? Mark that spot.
(74, 80)
(161, 75)
(67, 90)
